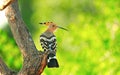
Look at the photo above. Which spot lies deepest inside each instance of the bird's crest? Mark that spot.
(47, 23)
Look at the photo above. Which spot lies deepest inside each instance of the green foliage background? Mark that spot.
(90, 47)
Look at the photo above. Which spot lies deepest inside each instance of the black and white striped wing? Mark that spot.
(48, 43)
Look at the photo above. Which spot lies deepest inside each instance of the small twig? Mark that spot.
(2, 7)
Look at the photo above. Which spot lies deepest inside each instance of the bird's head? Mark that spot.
(52, 26)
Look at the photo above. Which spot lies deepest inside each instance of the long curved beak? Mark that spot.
(62, 28)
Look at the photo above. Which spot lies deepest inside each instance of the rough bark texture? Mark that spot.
(34, 60)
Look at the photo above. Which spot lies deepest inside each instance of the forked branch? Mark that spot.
(34, 60)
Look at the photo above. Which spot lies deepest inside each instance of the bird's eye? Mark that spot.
(53, 25)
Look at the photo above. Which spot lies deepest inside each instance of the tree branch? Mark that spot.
(6, 3)
(34, 60)
(4, 70)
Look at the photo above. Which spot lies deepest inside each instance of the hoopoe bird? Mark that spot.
(48, 42)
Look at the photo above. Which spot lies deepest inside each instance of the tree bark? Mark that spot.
(34, 60)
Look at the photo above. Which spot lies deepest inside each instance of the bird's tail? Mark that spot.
(52, 61)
